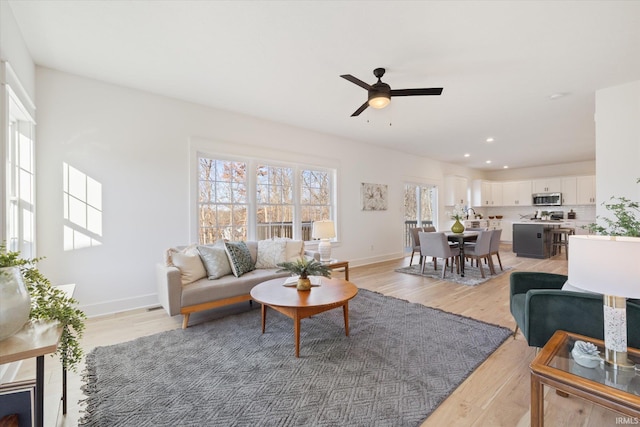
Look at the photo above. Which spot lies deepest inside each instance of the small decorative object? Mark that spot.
(457, 214)
(374, 197)
(324, 230)
(586, 354)
(16, 302)
(304, 268)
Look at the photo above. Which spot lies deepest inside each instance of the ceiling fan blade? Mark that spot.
(361, 109)
(356, 81)
(413, 92)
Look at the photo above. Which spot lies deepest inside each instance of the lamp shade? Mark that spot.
(609, 265)
(323, 230)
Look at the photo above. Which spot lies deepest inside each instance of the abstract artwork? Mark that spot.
(373, 196)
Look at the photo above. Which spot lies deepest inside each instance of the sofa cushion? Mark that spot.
(215, 260)
(239, 258)
(188, 262)
(293, 250)
(270, 253)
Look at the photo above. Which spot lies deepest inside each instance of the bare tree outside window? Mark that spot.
(274, 194)
(222, 200)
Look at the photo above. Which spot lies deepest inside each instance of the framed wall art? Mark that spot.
(17, 403)
(373, 197)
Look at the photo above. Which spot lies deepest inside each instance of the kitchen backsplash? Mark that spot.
(585, 213)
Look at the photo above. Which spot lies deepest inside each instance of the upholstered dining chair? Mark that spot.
(480, 251)
(416, 240)
(434, 244)
(495, 247)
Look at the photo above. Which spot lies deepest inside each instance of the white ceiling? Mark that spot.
(498, 62)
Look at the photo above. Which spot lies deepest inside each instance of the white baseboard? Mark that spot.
(120, 305)
(379, 258)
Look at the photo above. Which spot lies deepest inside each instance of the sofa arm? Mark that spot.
(169, 284)
(523, 281)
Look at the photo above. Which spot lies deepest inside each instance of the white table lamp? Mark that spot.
(324, 230)
(609, 265)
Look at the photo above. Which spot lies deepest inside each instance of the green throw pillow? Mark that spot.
(239, 258)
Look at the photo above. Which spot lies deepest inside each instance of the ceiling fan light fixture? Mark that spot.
(379, 101)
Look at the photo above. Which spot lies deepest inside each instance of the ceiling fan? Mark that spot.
(380, 93)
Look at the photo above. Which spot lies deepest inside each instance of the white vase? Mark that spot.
(16, 302)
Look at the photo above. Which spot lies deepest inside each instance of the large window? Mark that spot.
(420, 206)
(270, 201)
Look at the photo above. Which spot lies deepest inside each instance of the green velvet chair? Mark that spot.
(540, 307)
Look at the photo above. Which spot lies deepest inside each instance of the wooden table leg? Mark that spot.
(537, 403)
(296, 332)
(264, 316)
(345, 311)
(346, 273)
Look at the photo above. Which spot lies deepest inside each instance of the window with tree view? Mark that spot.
(286, 199)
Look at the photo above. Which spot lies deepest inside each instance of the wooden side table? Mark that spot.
(603, 385)
(335, 264)
(35, 339)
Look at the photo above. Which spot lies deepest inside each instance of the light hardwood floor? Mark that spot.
(496, 394)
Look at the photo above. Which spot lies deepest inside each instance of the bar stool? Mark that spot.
(560, 238)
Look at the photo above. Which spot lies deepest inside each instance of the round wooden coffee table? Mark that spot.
(330, 294)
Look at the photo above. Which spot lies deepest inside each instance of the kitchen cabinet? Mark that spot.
(569, 191)
(486, 193)
(547, 185)
(516, 193)
(455, 191)
(586, 190)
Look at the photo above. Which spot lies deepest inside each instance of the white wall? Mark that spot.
(138, 145)
(617, 144)
(548, 171)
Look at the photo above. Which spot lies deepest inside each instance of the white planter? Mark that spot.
(16, 302)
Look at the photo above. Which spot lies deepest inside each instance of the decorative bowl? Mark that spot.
(499, 216)
(491, 217)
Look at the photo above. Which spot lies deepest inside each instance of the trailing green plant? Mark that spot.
(50, 303)
(627, 218)
(305, 268)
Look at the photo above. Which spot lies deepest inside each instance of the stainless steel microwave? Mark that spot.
(547, 199)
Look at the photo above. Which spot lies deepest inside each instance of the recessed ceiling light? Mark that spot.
(467, 155)
(558, 95)
(505, 167)
(490, 139)
(488, 161)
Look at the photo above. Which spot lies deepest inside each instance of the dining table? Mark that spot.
(460, 239)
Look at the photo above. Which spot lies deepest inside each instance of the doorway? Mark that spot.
(420, 209)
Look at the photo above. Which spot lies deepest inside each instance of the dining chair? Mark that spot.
(416, 240)
(495, 247)
(434, 244)
(480, 251)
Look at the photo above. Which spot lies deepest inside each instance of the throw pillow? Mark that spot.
(239, 258)
(294, 249)
(270, 253)
(215, 260)
(189, 263)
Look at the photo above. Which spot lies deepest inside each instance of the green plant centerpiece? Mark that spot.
(626, 220)
(49, 303)
(304, 268)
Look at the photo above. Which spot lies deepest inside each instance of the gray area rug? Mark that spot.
(472, 276)
(399, 363)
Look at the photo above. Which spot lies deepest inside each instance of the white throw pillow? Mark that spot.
(270, 253)
(215, 260)
(294, 249)
(188, 262)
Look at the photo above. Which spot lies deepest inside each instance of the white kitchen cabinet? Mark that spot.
(496, 194)
(455, 191)
(486, 193)
(507, 232)
(569, 190)
(547, 185)
(586, 190)
(516, 193)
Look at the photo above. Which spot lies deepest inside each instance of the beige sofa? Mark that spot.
(185, 287)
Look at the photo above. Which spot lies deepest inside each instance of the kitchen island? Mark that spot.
(531, 239)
